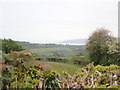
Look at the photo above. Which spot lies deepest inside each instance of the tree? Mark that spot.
(97, 46)
(10, 45)
(114, 52)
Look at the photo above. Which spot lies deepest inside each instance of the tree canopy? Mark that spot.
(99, 45)
(10, 45)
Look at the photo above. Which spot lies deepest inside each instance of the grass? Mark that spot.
(60, 67)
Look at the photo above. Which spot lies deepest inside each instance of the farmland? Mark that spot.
(57, 50)
(61, 67)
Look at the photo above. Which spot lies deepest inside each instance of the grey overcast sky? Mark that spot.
(56, 20)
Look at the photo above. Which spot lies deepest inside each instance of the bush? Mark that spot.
(94, 77)
(79, 60)
(56, 59)
(22, 72)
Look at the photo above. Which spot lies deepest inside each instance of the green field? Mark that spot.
(60, 67)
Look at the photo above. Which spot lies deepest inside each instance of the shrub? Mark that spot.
(93, 77)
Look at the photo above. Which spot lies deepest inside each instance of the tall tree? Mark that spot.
(97, 46)
(114, 53)
(9, 44)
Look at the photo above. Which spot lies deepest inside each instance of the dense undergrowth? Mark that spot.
(20, 71)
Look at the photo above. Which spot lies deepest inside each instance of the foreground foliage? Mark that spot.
(20, 71)
(95, 77)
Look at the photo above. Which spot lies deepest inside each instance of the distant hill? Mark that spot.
(28, 44)
(53, 49)
(75, 42)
